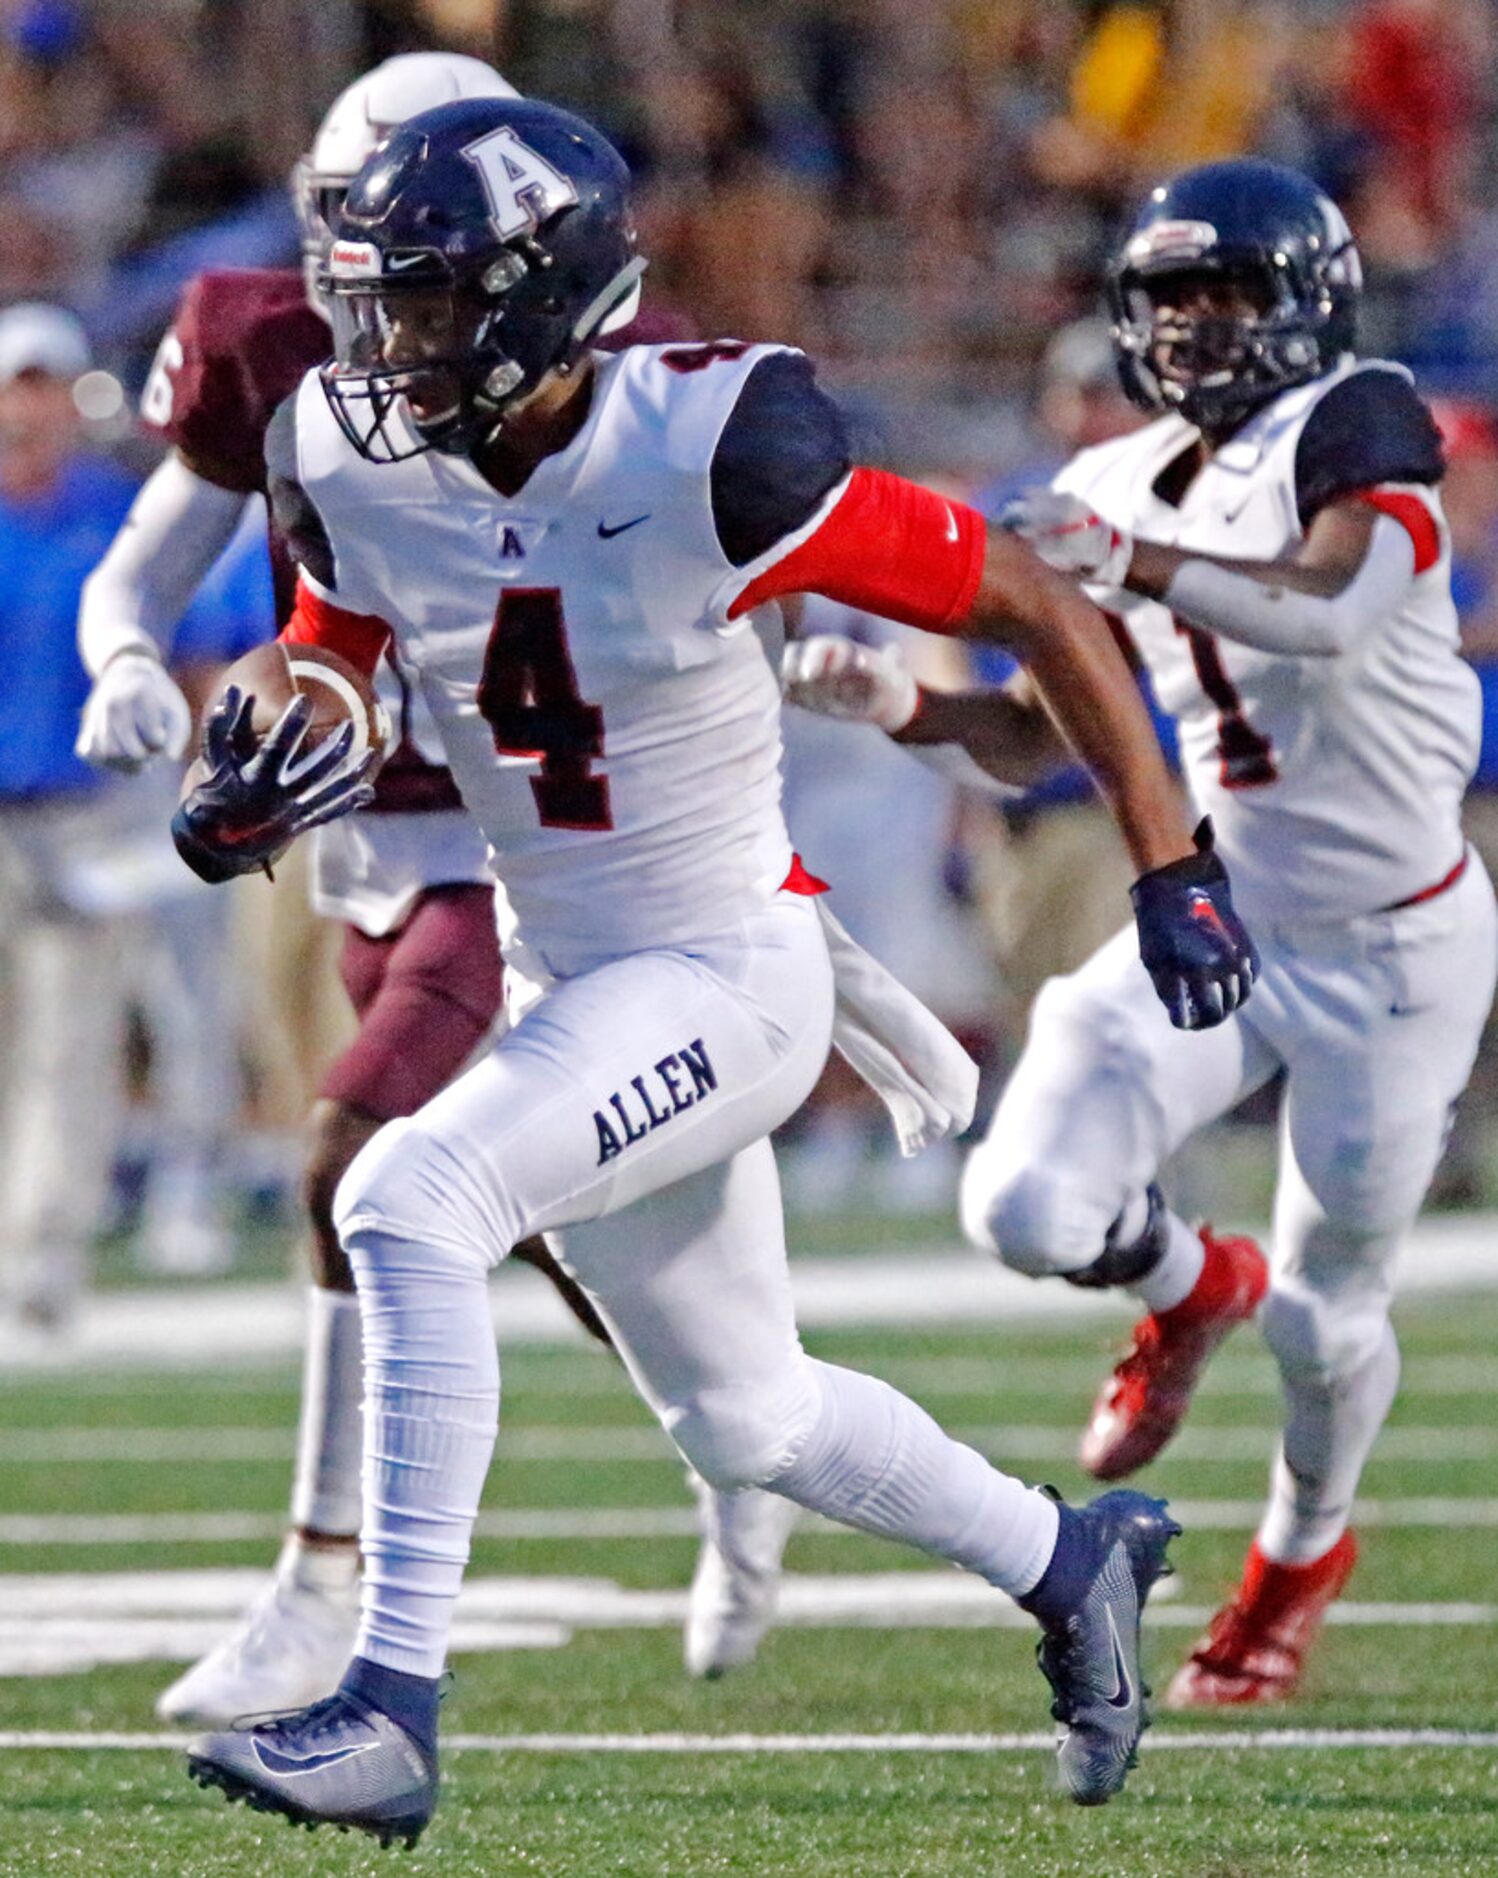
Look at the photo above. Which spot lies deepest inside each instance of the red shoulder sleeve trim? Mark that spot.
(888, 547)
(360, 638)
(1414, 516)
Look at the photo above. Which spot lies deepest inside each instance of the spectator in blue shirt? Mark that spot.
(58, 511)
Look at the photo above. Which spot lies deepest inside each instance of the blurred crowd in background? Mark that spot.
(921, 196)
(917, 194)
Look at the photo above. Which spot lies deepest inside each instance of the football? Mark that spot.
(275, 673)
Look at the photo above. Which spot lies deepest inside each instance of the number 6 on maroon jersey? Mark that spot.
(528, 695)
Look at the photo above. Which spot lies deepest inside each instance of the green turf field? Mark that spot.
(80, 1455)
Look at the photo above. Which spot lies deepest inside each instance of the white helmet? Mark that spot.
(356, 122)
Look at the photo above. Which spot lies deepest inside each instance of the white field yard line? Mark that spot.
(72, 1624)
(1019, 1441)
(1239, 1370)
(87, 1602)
(1269, 1740)
(93, 1530)
(63, 1647)
(194, 1326)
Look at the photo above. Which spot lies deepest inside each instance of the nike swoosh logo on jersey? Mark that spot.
(951, 525)
(290, 1765)
(395, 262)
(1123, 1694)
(605, 533)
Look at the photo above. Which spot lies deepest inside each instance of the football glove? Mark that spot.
(1070, 536)
(841, 678)
(1194, 947)
(134, 713)
(258, 797)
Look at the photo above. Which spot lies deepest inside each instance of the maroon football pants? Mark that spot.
(425, 997)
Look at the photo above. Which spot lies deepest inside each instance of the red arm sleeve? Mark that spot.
(888, 547)
(360, 638)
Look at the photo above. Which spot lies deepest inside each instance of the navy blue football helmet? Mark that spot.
(1236, 281)
(480, 248)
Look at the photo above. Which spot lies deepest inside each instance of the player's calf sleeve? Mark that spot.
(431, 1411)
(1336, 1401)
(1339, 1364)
(326, 1495)
(876, 1461)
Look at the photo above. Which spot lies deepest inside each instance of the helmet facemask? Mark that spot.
(406, 374)
(1215, 336)
(427, 360)
(1211, 337)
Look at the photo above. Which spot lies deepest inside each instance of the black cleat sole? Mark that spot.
(238, 1791)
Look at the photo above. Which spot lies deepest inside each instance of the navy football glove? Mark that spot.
(257, 798)
(1194, 947)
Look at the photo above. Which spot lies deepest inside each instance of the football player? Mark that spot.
(408, 878)
(612, 719)
(1274, 549)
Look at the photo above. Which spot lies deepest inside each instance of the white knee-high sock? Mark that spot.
(876, 1461)
(326, 1496)
(1330, 1427)
(431, 1412)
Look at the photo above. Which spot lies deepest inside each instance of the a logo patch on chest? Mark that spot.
(656, 1096)
(511, 546)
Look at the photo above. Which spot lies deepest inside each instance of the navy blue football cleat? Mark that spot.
(1108, 1555)
(342, 1762)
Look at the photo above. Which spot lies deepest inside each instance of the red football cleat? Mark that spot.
(1141, 1404)
(1256, 1644)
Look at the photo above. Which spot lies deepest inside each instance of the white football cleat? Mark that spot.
(289, 1650)
(738, 1575)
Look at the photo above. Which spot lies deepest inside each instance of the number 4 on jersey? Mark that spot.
(528, 694)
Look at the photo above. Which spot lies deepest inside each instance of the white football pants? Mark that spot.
(1376, 1023)
(626, 1114)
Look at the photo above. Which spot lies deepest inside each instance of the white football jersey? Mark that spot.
(1334, 784)
(614, 735)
